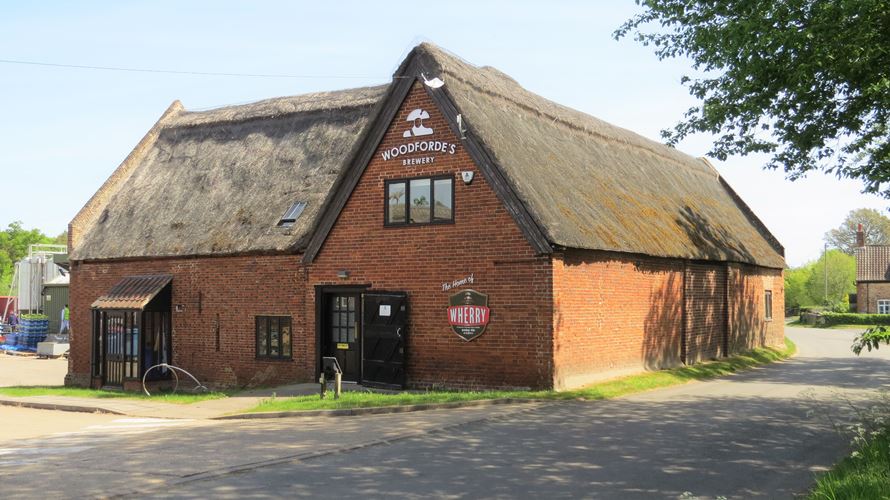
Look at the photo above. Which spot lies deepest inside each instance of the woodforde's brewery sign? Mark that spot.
(468, 313)
(418, 129)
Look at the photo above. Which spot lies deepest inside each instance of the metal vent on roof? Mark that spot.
(292, 214)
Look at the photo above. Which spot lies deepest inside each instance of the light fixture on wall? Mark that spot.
(343, 274)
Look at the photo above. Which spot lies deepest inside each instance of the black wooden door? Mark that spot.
(342, 333)
(385, 339)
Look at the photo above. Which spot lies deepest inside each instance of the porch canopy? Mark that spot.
(133, 292)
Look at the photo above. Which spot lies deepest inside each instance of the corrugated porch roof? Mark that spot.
(133, 292)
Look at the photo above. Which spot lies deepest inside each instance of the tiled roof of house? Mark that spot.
(873, 263)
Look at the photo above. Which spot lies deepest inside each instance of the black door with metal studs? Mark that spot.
(385, 339)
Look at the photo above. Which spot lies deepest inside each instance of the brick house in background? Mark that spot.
(872, 276)
(449, 229)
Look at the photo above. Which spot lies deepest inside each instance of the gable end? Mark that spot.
(381, 123)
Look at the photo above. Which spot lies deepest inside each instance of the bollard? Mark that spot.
(338, 377)
(324, 385)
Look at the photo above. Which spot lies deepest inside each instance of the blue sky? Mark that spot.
(65, 130)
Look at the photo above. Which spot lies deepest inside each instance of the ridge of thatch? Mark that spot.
(593, 185)
(217, 182)
(279, 107)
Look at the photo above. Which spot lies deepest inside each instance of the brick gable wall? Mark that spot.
(483, 241)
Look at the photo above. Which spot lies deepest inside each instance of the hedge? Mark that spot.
(830, 319)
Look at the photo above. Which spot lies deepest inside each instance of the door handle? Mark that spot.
(399, 332)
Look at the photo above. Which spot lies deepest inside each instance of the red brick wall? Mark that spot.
(705, 312)
(868, 294)
(748, 328)
(515, 350)
(236, 289)
(614, 313)
(617, 313)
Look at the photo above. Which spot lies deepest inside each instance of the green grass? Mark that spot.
(603, 390)
(77, 392)
(865, 474)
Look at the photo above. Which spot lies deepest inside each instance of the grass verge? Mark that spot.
(864, 474)
(603, 390)
(798, 324)
(78, 392)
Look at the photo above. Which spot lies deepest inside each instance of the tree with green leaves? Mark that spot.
(871, 339)
(841, 272)
(805, 81)
(14, 242)
(875, 225)
(796, 294)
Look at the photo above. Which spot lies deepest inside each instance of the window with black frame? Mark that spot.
(424, 200)
(274, 338)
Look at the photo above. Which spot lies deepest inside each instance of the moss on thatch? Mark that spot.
(594, 185)
(218, 181)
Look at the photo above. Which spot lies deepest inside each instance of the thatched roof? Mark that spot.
(218, 181)
(872, 263)
(593, 185)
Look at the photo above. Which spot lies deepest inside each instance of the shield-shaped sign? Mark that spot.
(468, 313)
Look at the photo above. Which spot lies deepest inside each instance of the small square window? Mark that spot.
(293, 213)
(883, 306)
(273, 337)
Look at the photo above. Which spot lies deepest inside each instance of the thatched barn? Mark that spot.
(450, 229)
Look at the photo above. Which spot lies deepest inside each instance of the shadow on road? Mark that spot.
(731, 446)
(846, 373)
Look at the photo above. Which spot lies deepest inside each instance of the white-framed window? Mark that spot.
(883, 306)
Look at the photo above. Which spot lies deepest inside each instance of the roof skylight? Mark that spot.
(292, 214)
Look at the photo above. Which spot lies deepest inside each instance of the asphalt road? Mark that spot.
(21, 370)
(761, 433)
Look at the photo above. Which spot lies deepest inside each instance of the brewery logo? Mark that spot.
(418, 116)
(418, 152)
(468, 313)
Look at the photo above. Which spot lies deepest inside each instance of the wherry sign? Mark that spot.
(468, 314)
(418, 129)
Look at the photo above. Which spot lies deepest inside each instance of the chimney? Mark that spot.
(860, 236)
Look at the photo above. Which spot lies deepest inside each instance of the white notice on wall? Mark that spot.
(384, 310)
